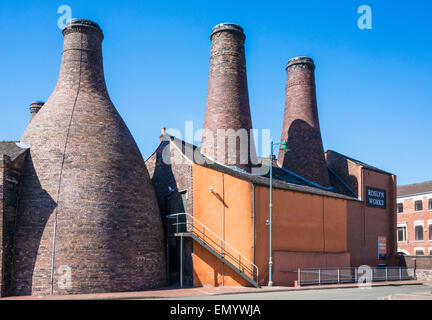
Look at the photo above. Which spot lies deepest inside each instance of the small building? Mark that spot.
(76, 196)
(12, 158)
(328, 210)
(414, 219)
(312, 227)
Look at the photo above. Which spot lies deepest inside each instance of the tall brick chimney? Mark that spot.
(35, 106)
(301, 126)
(227, 106)
(87, 207)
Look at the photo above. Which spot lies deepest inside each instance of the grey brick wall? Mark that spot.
(174, 188)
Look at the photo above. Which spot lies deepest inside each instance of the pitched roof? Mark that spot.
(11, 149)
(416, 188)
(364, 165)
(282, 179)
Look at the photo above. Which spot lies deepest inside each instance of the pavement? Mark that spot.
(239, 292)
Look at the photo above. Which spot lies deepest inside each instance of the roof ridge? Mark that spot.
(414, 184)
(364, 164)
(257, 179)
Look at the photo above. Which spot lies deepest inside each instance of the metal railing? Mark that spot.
(186, 223)
(351, 275)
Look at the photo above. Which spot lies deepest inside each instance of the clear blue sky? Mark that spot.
(374, 86)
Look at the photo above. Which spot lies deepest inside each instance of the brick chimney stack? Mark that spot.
(301, 126)
(227, 106)
(87, 207)
(35, 106)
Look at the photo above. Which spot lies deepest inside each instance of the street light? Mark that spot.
(283, 146)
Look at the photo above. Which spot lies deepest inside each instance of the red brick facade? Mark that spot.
(415, 224)
(227, 105)
(86, 188)
(367, 223)
(301, 126)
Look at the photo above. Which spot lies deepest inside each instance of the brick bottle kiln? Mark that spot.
(227, 106)
(86, 200)
(301, 126)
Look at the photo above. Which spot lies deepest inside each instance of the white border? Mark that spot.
(400, 225)
(419, 223)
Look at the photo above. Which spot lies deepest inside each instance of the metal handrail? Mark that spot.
(222, 252)
(225, 253)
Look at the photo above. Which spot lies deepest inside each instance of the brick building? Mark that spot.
(77, 197)
(414, 219)
(329, 210)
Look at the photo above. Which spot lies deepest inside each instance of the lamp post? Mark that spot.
(284, 146)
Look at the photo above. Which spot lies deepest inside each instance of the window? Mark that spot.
(418, 205)
(401, 234)
(419, 251)
(400, 207)
(430, 251)
(430, 204)
(419, 233)
(430, 232)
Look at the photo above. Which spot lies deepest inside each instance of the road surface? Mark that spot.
(325, 294)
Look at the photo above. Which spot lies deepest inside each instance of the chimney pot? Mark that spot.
(35, 106)
(81, 25)
(300, 60)
(227, 26)
(163, 132)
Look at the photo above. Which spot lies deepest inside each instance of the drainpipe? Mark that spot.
(223, 228)
(253, 222)
(364, 215)
(270, 283)
(167, 251)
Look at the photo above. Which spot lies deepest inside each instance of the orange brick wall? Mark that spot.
(345, 232)
(303, 223)
(236, 194)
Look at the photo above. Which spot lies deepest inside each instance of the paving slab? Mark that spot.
(176, 292)
(417, 296)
